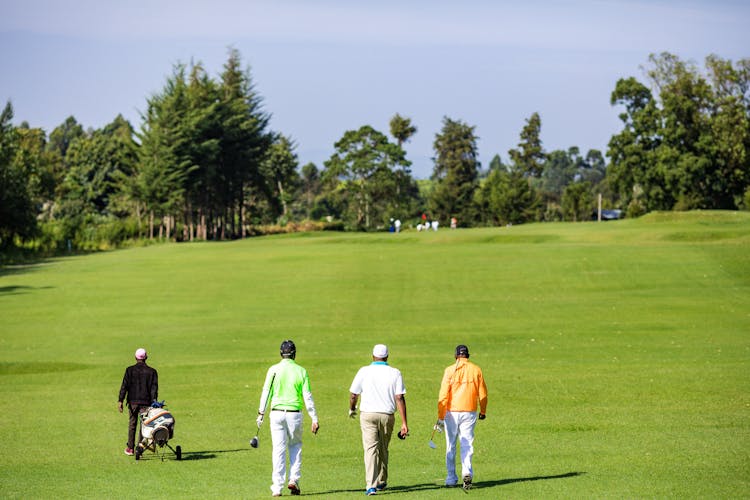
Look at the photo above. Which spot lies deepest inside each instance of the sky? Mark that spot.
(323, 67)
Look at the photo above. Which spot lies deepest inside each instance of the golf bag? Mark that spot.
(157, 428)
(157, 424)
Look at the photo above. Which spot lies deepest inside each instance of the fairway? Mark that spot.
(617, 358)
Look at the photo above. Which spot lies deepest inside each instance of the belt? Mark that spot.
(287, 411)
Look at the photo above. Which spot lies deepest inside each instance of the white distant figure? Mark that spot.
(419, 227)
(398, 225)
(435, 225)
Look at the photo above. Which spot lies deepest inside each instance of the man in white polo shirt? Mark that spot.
(382, 390)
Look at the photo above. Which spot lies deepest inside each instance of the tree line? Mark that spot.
(205, 165)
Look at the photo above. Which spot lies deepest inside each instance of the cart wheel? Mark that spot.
(178, 452)
(138, 453)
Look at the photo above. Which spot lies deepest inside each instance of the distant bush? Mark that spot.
(295, 227)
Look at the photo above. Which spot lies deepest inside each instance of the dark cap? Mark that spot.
(288, 349)
(462, 351)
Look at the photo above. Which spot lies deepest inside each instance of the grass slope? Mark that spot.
(617, 357)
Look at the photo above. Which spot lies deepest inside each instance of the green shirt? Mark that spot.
(286, 385)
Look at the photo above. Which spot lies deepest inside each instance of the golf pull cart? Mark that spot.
(157, 428)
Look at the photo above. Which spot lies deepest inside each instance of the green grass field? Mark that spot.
(617, 357)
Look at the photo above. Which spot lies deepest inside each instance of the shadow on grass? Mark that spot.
(18, 290)
(501, 482)
(432, 486)
(391, 489)
(13, 269)
(206, 455)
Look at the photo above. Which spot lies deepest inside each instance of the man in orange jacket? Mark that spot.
(461, 392)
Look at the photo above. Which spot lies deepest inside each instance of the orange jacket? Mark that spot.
(462, 388)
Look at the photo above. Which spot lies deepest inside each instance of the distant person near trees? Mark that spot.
(382, 390)
(462, 390)
(140, 386)
(287, 391)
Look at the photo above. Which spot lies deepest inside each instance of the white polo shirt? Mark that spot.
(378, 384)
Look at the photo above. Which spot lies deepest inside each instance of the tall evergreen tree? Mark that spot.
(310, 187)
(455, 172)
(164, 163)
(17, 214)
(528, 159)
(280, 170)
(244, 143)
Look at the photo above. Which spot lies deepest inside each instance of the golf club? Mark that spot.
(254, 440)
(431, 443)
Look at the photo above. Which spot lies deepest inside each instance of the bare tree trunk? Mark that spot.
(138, 216)
(367, 213)
(151, 225)
(242, 221)
(281, 195)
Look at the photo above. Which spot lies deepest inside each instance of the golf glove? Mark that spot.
(352, 413)
(259, 420)
(439, 425)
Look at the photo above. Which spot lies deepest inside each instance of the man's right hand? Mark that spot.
(119, 406)
(259, 420)
(439, 425)
(352, 413)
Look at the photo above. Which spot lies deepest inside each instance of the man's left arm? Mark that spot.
(482, 397)
(353, 404)
(307, 397)
(401, 405)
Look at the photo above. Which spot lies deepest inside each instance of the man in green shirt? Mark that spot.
(287, 389)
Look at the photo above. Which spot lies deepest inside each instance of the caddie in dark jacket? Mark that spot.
(141, 387)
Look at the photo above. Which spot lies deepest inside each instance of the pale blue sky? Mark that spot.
(324, 67)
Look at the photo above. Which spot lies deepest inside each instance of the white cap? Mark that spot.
(141, 353)
(380, 351)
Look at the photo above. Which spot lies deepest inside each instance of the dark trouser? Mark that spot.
(135, 410)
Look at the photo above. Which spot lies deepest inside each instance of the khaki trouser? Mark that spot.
(376, 435)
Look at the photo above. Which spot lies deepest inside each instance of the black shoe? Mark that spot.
(467, 483)
(293, 488)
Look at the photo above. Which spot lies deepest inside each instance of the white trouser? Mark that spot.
(459, 427)
(286, 433)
